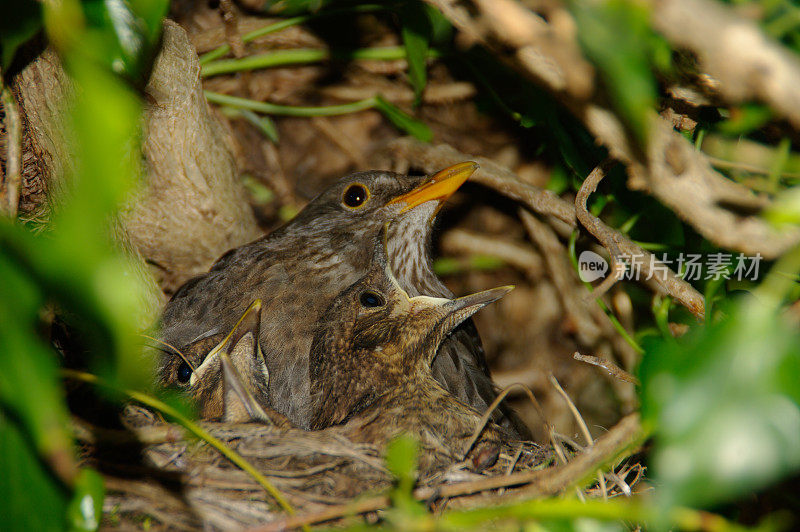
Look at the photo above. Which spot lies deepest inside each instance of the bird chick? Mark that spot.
(231, 378)
(370, 366)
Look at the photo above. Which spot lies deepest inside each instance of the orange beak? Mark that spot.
(439, 186)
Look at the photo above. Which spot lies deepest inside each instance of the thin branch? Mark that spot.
(610, 367)
(620, 247)
(744, 62)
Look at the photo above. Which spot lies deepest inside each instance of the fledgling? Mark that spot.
(370, 367)
(230, 379)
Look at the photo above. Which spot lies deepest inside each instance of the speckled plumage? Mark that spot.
(298, 270)
(370, 368)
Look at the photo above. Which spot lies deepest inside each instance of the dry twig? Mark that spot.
(610, 367)
(620, 247)
(744, 62)
(517, 255)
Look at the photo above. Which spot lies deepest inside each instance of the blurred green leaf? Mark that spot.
(19, 21)
(725, 416)
(260, 193)
(86, 506)
(30, 497)
(786, 207)
(76, 266)
(441, 29)
(404, 122)
(294, 7)
(401, 460)
(416, 32)
(616, 36)
(745, 119)
(30, 388)
(444, 266)
(124, 34)
(558, 182)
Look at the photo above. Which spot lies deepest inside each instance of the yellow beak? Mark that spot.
(439, 186)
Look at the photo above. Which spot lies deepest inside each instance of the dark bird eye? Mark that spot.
(371, 299)
(355, 195)
(184, 372)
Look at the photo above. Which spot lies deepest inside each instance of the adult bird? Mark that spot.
(297, 271)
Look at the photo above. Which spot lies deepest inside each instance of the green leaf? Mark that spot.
(19, 21)
(725, 407)
(404, 122)
(30, 497)
(86, 507)
(401, 460)
(260, 193)
(616, 36)
(745, 119)
(124, 34)
(786, 207)
(30, 388)
(416, 31)
(441, 28)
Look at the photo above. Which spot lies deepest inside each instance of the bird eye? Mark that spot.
(371, 300)
(355, 195)
(184, 372)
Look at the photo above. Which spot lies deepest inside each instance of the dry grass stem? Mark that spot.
(488, 414)
(610, 367)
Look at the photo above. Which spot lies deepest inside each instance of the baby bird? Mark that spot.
(231, 375)
(370, 367)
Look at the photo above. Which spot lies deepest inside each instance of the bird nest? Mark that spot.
(167, 479)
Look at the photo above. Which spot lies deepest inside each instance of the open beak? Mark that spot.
(439, 186)
(463, 307)
(450, 313)
(249, 322)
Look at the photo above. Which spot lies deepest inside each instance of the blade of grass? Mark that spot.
(286, 110)
(416, 31)
(400, 119)
(262, 123)
(225, 49)
(403, 121)
(192, 427)
(302, 56)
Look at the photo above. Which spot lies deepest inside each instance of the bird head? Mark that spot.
(374, 336)
(223, 372)
(363, 202)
